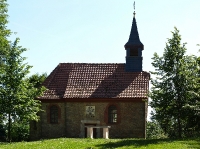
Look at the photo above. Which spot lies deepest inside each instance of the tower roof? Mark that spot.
(134, 39)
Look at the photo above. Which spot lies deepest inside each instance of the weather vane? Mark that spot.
(134, 9)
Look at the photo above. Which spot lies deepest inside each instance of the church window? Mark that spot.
(133, 52)
(112, 114)
(54, 114)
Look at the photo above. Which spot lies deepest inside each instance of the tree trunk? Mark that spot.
(179, 118)
(179, 106)
(9, 127)
(179, 126)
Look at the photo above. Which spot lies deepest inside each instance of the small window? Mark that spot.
(112, 114)
(54, 114)
(133, 52)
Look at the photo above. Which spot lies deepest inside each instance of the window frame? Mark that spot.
(112, 114)
(51, 117)
(53, 114)
(107, 118)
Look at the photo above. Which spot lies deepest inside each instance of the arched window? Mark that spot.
(112, 114)
(54, 114)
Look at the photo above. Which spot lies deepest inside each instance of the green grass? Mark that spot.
(72, 143)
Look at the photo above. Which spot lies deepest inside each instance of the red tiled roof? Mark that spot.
(87, 80)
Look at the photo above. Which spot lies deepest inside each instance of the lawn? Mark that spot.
(74, 143)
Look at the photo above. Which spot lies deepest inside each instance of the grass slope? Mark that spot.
(72, 143)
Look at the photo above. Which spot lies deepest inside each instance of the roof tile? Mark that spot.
(87, 80)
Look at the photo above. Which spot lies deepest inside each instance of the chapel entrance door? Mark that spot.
(94, 130)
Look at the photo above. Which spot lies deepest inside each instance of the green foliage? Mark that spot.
(37, 80)
(154, 131)
(2, 132)
(17, 92)
(74, 143)
(175, 89)
(3, 21)
(4, 32)
(20, 131)
(20, 124)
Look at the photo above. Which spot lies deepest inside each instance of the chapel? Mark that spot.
(96, 94)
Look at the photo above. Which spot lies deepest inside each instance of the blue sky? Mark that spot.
(95, 31)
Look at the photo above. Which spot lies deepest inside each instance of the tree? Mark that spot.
(4, 32)
(20, 128)
(37, 80)
(17, 92)
(174, 91)
(154, 131)
(4, 43)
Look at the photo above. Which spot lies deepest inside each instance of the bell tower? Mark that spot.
(134, 49)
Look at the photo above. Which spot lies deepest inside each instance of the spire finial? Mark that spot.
(134, 9)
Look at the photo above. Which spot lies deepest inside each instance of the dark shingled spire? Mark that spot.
(134, 49)
(134, 39)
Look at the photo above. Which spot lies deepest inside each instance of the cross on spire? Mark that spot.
(134, 9)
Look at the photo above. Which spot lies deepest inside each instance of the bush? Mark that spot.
(20, 131)
(154, 131)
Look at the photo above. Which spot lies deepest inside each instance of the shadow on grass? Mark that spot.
(132, 142)
(141, 142)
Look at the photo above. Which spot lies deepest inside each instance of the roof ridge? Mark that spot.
(88, 63)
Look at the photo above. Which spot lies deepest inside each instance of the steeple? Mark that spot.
(134, 39)
(134, 49)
